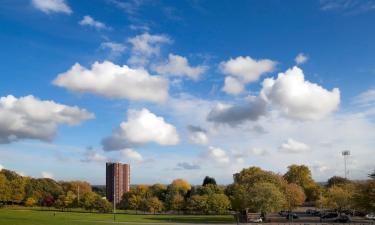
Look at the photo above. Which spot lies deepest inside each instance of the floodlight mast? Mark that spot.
(345, 154)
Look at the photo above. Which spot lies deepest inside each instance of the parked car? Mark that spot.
(343, 219)
(329, 215)
(370, 216)
(256, 220)
(283, 213)
(316, 213)
(291, 216)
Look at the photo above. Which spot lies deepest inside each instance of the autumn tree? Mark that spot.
(294, 196)
(181, 185)
(337, 198)
(154, 205)
(135, 202)
(364, 197)
(301, 175)
(246, 191)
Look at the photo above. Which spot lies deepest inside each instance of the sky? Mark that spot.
(186, 89)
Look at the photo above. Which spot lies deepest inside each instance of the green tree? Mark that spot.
(265, 198)
(209, 180)
(176, 202)
(4, 189)
(337, 181)
(159, 191)
(102, 205)
(209, 189)
(198, 203)
(135, 202)
(364, 197)
(154, 205)
(88, 200)
(218, 203)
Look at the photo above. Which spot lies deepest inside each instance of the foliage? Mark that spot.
(337, 181)
(154, 205)
(364, 197)
(218, 203)
(301, 175)
(209, 180)
(337, 198)
(294, 196)
(181, 185)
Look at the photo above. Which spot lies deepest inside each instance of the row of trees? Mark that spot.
(178, 196)
(253, 188)
(16, 189)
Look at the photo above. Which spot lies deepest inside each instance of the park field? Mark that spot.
(36, 217)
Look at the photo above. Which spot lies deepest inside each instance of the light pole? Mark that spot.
(114, 199)
(345, 154)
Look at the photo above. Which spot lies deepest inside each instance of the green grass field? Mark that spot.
(35, 217)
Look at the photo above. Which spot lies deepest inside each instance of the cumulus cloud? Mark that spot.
(244, 70)
(187, 166)
(298, 98)
(141, 127)
(30, 118)
(47, 175)
(91, 22)
(52, 6)
(179, 66)
(115, 48)
(253, 109)
(114, 81)
(93, 156)
(293, 146)
(217, 155)
(233, 86)
(144, 46)
(131, 155)
(301, 58)
(197, 135)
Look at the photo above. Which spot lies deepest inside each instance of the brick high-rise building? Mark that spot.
(117, 180)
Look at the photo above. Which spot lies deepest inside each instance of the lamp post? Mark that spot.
(345, 154)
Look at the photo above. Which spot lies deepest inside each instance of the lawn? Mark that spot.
(35, 217)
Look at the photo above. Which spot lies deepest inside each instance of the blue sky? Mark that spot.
(186, 88)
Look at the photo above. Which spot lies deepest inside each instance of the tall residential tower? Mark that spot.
(117, 180)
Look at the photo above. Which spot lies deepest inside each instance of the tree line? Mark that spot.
(253, 188)
(64, 195)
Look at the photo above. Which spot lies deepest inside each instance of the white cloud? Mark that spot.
(293, 146)
(366, 98)
(142, 127)
(247, 69)
(47, 175)
(89, 21)
(115, 48)
(197, 135)
(253, 109)
(93, 156)
(110, 80)
(179, 66)
(145, 46)
(52, 6)
(301, 58)
(30, 118)
(217, 155)
(298, 98)
(131, 155)
(233, 86)
(1, 167)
